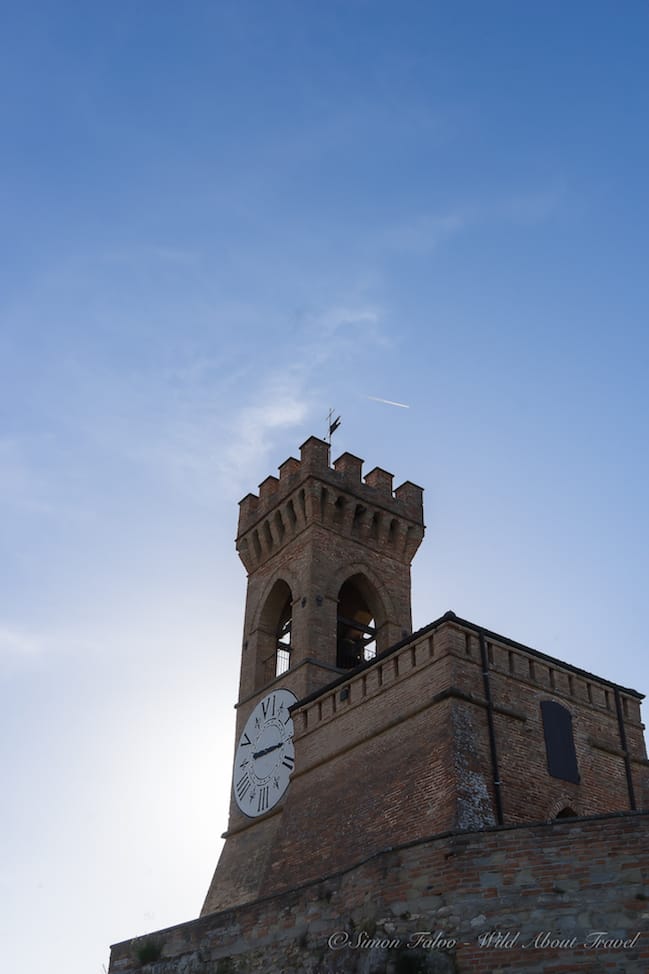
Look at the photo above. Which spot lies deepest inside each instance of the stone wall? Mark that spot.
(522, 898)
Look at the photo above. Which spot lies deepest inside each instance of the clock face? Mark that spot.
(265, 756)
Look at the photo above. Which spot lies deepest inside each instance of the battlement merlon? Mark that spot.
(344, 479)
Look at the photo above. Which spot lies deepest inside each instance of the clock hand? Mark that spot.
(267, 750)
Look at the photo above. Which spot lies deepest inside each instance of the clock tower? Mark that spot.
(328, 557)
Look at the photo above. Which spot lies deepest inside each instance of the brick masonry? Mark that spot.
(421, 797)
(503, 900)
(400, 749)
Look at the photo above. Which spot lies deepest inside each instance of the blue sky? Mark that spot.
(219, 220)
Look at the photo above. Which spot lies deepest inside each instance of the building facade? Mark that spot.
(357, 738)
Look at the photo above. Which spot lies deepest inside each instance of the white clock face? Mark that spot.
(265, 756)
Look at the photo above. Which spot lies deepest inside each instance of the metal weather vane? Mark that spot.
(332, 425)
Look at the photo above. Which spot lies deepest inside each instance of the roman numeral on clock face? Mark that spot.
(242, 786)
(268, 706)
(262, 802)
(288, 762)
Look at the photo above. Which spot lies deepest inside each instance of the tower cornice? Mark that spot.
(310, 491)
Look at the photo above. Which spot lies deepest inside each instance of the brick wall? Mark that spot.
(518, 899)
(406, 753)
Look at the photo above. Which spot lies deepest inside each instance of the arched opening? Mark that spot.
(566, 812)
(356, 630)
(274, 647)
(283, 634)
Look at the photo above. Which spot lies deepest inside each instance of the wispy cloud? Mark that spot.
(531, 207)
(21, 484)
(424, 232)
(282, 403)
(17, 643)
(201, 414)
(215, 437)
(328, 332)
(287, 396)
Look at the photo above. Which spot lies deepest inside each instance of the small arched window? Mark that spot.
(559, 741)
(356, 636)
(566, 812)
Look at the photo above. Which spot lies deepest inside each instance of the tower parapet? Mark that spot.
(309, 490)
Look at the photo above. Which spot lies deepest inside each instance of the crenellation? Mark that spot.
(334, 496)
(314, 456)
(380, 481)
(268, 489)
(248, 508)
(289, 469)
(349, 468)
(412, 498)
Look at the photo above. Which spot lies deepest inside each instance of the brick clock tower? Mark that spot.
(385, 782)
(328, 559)
(354, 735)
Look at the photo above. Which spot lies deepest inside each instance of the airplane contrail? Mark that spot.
(388, 402)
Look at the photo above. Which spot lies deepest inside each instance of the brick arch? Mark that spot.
(375, 593)
(277, 599)
(564, 801)
(281, 575)
(372, 585)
